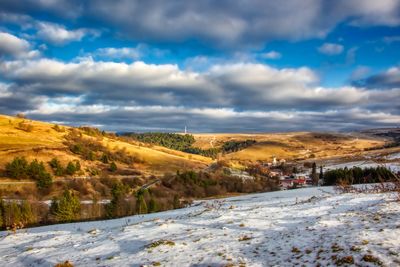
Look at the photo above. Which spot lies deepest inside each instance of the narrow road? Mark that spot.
(212, 142)
(16, 182)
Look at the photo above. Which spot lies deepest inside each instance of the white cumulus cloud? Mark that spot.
(11, 45)
(59, 34)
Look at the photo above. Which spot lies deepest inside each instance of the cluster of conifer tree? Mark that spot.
(357, 175)
(185, 143)
(15, 214)
(19, 168)
(234, 146)
(169, 140)
(59, 170)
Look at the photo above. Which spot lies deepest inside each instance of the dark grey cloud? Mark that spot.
(175, 119)
(229, 23)
(64, 8)
(385, 80)
(221, 23)
(13, 100)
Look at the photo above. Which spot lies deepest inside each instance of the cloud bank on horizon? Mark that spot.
(226, 66)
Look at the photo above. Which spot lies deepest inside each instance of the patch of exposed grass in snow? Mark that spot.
(160, 243)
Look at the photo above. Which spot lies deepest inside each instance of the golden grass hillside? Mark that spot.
(290, 146)
(43, 141)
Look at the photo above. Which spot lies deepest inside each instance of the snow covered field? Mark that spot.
(286, 228)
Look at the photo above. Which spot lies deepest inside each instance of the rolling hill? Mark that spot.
(291, 146)
(44, 141)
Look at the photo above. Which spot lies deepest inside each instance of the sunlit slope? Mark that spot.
(34, 139)
(296, 145)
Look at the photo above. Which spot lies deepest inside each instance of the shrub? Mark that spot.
(44, 181)
(104, 159)
(113, 167)
(17, 168)
(71, 169)
(93, 171)
(55, 164)
(24, 126)
(91, 131)
(82, 186)
(57, 128)
(38, 172)
(36, 169)
(77, 165)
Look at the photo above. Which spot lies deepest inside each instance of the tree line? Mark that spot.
(126, 197)
(185, 143)
(170, 140)
(20, 168)
(234, 146)
(357, 175)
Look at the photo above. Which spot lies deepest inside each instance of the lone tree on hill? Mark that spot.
(153, 206)
(113, 167)
(314, 175)
(140, 202)
(66, 208)
(321, 173)
(117, 207)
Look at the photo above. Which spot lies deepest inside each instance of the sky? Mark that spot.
(213, 66)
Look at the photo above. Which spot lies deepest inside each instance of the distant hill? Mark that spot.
(384, 132)
(291, 146)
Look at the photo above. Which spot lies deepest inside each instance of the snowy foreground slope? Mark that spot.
(286, 228)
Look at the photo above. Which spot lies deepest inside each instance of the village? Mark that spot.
(290, 177)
